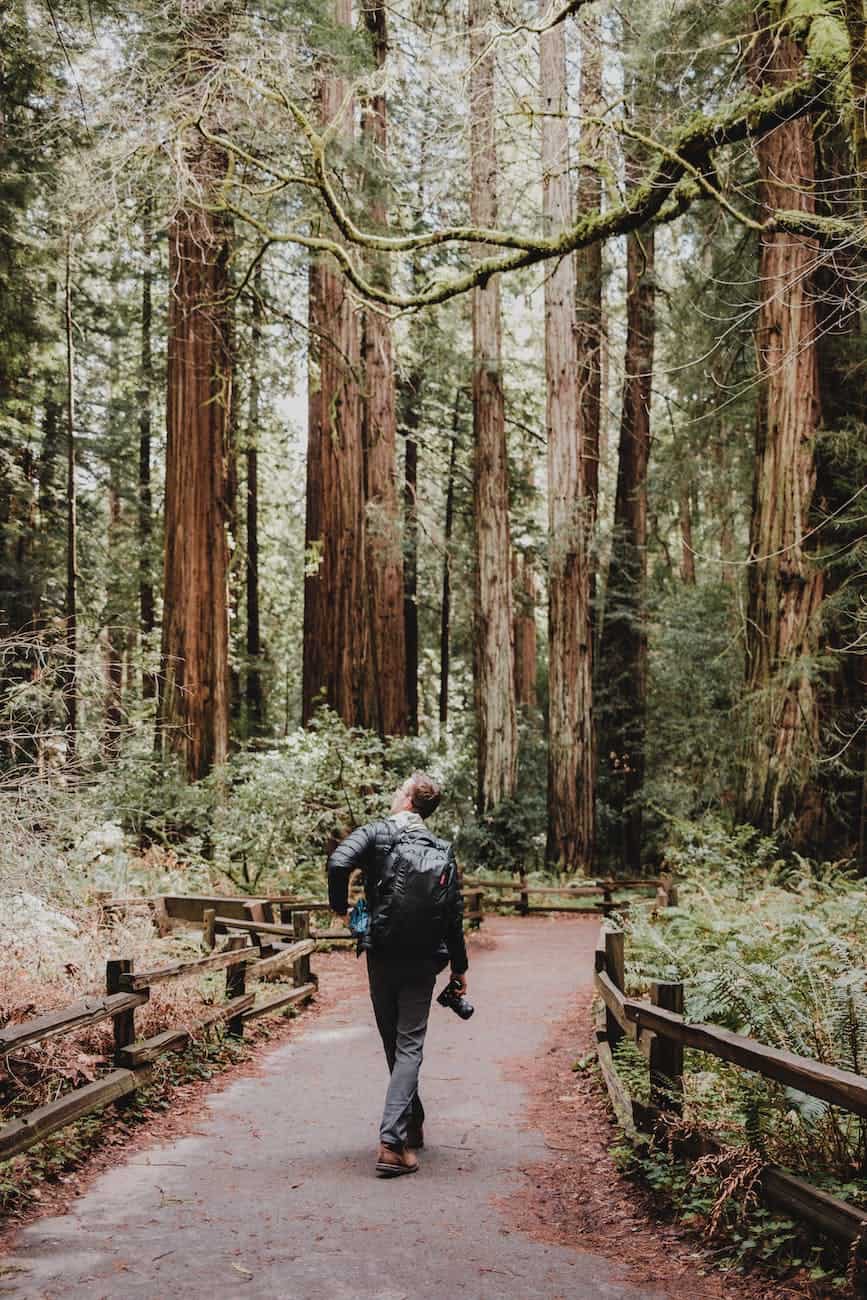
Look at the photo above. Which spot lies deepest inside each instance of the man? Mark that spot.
(416, 928)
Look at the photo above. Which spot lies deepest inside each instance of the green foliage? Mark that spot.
(511, 837)
(772, 947)
(268, 818)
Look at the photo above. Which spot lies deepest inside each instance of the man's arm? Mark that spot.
(455, 941)
(349, 854)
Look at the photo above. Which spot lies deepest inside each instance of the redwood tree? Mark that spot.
(785, 586)
(194, 679)
(570, 744)
(623, 651)
(147, 614)
(494, 650)
(384, 546)
(336, 643)
(525, 593)
(253, 684)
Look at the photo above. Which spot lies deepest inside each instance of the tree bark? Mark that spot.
(446, 603)
(71, 674)
(494, 657)
(384, 542)
(194, 679)
(624, 636)
(410, 586)
(525, 591)
(112, 646)
(588, 267)
(687, 552)
(785, 587)
(336, 640)
(147, 615)
(572, 451)
(253, 683)
(231, 505)
(856, 25)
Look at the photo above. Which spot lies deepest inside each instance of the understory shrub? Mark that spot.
(774, 948)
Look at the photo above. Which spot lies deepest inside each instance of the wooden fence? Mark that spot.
(559, 898)
(661, 1032)
(262, 937)
(246, 957)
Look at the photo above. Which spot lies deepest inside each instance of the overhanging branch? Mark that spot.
(681, 171)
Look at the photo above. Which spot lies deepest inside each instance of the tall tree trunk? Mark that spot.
(50, 498)
(147, 616)
(785, 587)
(384, 543)
(494, 637)
(410, 573)
(446, 603)
(112, 646)
(687, 552)
(71, 674)
(194, 681)
(232, 497)
(411, 393)
(856, 24)
(570, 650)
(624, 637)
(336, 660)
(588, 268)
(253, 683)
(525, 593)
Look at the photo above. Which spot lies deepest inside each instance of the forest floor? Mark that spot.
(264, 1187)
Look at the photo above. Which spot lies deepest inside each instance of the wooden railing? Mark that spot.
(262, 937)
(245, 957)
(660, 1030)
(556, 898)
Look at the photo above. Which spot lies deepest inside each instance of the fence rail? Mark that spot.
(263, 937)
(246, 956)
(558, 896)
(661, 1032)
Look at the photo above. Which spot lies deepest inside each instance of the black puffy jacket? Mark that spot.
(366, 849)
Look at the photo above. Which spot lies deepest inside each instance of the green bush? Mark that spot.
(775, 948)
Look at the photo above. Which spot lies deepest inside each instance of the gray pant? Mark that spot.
(401, 994)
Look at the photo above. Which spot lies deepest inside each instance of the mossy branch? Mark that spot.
(679, 173)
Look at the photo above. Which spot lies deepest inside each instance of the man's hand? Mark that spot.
(460, 983)
(340, 918)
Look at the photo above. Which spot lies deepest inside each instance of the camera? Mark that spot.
(452, 998)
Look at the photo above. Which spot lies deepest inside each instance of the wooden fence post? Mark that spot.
(236, 984)
(301, 930)
(616, 969)
(475, 906)
(124, 1024)
(209, 916)
(607, 901)
(524, 902)
(666, 1056)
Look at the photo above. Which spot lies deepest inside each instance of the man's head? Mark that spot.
(419, 794)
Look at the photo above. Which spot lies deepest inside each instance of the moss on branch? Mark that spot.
(681, 171)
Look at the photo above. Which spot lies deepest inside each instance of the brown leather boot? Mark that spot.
(391, 1163)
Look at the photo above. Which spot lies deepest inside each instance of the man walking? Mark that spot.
(416, 928)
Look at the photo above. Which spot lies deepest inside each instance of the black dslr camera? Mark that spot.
(452, 998)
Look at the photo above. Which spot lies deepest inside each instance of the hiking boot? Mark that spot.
(415, 1136)
(391, 1163)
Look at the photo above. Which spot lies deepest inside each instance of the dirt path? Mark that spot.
(272, 1194)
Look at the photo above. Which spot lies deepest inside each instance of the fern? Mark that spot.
(775, 950)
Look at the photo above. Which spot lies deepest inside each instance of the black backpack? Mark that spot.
(409, 901)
